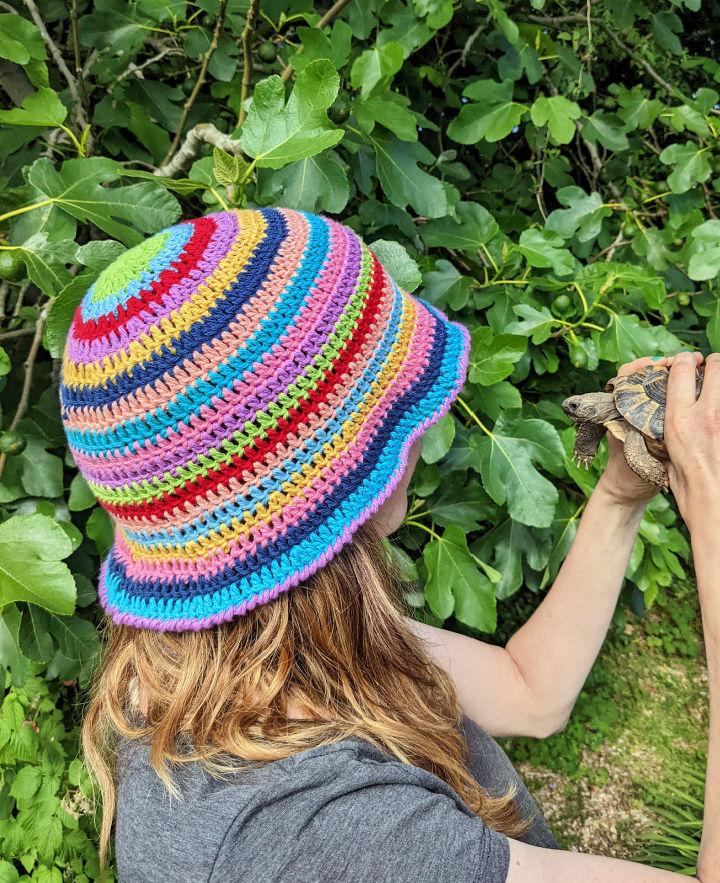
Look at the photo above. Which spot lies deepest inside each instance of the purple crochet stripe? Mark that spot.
(100, 468)
(270, 594)
(94, 350)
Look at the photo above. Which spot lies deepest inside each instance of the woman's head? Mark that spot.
(245, 394)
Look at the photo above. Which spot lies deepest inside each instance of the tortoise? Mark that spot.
(632, 408)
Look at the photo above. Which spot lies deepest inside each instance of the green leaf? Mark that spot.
(608, 129)
(77, 189)
(227, 167)
(11, 656)
(373, 69)
(5, 363)
(543, 248)
(398, 263)
(665, 27)
(81, 497)
(316, 44)
(314, 184)
(471, 229)
(437, 439)
(276, 133)
(582, 217)
(704, 262)
(455, 583)
(627, 338)
(62, 310)
(492, 117)
(535, 324)
(26, 783)
(506, 460)
(46, 262)
(100, 529)
(31, 569)
(691, 162)
(402, 179)
(558, 114)
(392, 111)
(493, 357)
(20, 40)
(41, 108)
(445, 286)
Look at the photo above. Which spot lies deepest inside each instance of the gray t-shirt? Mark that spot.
(342, 813)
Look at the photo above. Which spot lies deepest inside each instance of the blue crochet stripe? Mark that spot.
(407, 412)
(210, 521)
(189, 403)
(177, 238)
(190, 340)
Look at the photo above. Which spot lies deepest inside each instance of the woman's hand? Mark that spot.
(692, 437)
(618, 480)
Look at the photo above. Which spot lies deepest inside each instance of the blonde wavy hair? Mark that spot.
(337, 646)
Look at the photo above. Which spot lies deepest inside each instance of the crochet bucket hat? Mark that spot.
(240, 392)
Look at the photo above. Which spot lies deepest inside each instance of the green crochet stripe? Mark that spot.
(264, 421)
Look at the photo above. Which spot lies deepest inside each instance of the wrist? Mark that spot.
(613, 494)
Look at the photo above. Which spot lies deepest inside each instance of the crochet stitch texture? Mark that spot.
(240, 391)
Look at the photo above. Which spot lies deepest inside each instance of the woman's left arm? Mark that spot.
(529, 687)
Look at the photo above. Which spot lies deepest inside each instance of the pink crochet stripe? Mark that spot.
(195, 624)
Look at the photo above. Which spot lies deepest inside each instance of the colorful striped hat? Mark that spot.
(240, 392)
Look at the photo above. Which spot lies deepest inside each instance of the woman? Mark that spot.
(245, 394)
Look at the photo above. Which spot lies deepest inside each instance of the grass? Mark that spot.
(625, 777)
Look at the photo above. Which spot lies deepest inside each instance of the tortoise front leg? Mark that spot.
(642, 462)
(587, 439)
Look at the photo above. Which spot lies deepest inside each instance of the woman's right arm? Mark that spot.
(692, 435)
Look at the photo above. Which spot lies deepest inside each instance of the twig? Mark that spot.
(466, 48)
(246, 40)
(634, 57)
(540, 161)
(20, 298)
(18, 332)
(76, 53)
(219, 22)
(28, 365)
(4, 289)
(78, 108)
(203, 133)
(137, 69)
(334, 10)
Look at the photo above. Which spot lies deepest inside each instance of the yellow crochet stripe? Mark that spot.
(252, 226)
(219, 540)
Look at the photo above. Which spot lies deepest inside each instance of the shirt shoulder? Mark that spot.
(351, 812)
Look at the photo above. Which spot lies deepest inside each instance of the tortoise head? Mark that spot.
(595, 407)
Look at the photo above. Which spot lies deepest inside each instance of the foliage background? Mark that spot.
(547, 173)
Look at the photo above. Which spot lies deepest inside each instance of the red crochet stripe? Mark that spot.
(245, 460)
(185, 263)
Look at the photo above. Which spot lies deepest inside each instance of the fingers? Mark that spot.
(681, 383)
(710, 392)
(644, 361)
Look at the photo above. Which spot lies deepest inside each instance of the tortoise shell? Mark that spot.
(640, 398)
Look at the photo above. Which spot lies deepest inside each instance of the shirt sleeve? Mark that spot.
(358, 829)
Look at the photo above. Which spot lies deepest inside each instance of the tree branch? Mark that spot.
(334, 11)
(28, 365)
(78, 109)
(246, 41)
(219, 22)
(203, 133)
(633, 56)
